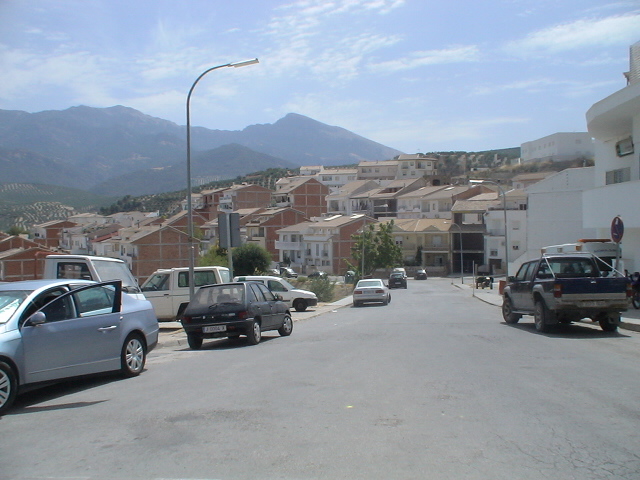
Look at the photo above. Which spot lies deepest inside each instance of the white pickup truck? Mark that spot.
(168, 289)
(88, 267)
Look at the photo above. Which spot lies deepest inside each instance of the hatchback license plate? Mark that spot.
(214, 328)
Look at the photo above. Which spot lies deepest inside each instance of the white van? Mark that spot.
(168, 289)
(88, 267)
(294, 297)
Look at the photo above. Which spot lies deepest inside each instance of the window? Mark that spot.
(493, 252)
(618, 176)
(73, 270)
(95, 301)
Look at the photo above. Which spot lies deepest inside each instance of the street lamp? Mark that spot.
(504, 209)
(461, 263)
(189, 192)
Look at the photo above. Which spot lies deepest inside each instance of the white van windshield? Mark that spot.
(116, 271)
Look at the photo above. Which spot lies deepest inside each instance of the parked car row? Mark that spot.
(56, 329)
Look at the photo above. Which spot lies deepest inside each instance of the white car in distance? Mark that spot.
(371, 290)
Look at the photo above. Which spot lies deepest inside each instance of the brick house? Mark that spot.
(238, 197)
(324, 244)
(305, 194)
(22, 264)
(263, 227)
(48, 234)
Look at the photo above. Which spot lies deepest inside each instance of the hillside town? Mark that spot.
(446, 225)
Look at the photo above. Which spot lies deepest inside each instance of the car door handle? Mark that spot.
(107, 329)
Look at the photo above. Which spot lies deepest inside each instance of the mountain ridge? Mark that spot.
(95, 145)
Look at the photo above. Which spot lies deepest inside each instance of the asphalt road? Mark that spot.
(432, 386)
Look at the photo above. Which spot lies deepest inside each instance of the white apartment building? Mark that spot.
(382, 170)
(614, 122)
(558, 146)
(334, 178)
(416, 165)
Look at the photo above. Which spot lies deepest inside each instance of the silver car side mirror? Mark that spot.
(37, 318)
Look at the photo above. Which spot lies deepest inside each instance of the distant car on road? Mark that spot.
(421, 274)
(288, 272)
(371, 291)
(234, 309)
(55, 329)
(397, 280)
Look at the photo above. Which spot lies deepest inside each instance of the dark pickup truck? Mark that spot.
(565, 288)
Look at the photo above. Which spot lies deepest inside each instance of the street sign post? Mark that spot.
(617, 231)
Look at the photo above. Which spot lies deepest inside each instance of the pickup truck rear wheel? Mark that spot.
(507, 311)
(541, 314)
(609, 323)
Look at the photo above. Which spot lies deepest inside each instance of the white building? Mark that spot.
(558, 147)
(614, 122)
(416, 165)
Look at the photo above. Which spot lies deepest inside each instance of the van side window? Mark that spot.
(276, 286)
(73, 270)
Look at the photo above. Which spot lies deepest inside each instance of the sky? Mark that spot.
(414, 75)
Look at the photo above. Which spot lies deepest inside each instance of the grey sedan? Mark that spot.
(55, 329)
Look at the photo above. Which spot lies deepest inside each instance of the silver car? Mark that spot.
(371, 290)
(54, 329)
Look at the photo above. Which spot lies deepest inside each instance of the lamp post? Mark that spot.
(461, 263)
(189, 190)
(504, 209)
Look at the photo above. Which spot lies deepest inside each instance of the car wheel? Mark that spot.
(540, 314)
(255, 334)
(609, 323)
(300, 305)
(507, 311)
(8, 387)
(287, 326)
(194, 341)
(133, 356)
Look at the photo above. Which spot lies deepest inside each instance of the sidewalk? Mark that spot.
(630, 319)
(172, 334)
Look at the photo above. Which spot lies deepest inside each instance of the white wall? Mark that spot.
(555, 211)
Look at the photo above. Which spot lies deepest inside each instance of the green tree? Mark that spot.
(418, 260)
(249, 259)
(388, 253)
(16, 230)
(215, 256)
(378, 248)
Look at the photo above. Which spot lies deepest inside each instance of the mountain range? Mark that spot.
(119, 151)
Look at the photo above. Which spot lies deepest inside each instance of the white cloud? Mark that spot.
(456, 54)
(583, 33)
(566, 88)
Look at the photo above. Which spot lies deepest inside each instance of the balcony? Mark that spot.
(280, 245)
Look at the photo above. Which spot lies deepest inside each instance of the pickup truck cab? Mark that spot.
(559, 289)
(294, 297)
(168, 289)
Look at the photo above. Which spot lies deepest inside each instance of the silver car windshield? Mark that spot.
(9, 303)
